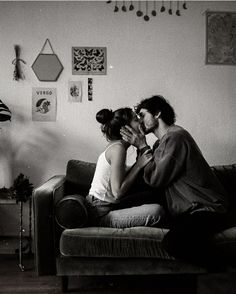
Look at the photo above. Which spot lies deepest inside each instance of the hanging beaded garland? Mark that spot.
(143, 7)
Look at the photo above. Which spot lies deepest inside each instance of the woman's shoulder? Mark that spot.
(115, 145)
(114, 149)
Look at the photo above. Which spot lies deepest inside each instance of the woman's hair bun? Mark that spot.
(104, 116)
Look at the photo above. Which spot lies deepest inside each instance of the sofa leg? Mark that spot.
(64, 283)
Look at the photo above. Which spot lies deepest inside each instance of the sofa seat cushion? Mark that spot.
(112, 242)
(134, 242)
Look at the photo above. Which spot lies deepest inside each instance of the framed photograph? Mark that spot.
(44, 104)
(221, 38)
(90, 89)
(89, 60)
(75, 91)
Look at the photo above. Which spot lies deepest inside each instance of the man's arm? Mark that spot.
(168, 162)
(121, 181)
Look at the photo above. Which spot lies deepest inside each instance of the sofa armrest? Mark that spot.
(44, 198)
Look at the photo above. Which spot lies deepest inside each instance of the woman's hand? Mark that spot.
(144, 159)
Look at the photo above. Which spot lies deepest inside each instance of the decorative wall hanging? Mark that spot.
(47, 66)
(90, 89)
(18, 74)
(75, 91)
(44, 104)
(89, 60)
(145, 9)
(5, 113)
(221, 38)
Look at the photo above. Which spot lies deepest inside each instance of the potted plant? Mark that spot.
(22, 188)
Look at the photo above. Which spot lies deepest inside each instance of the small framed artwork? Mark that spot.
(44, 104)
(75, 91)
(221, 38)
(89, 60)
(90, 89)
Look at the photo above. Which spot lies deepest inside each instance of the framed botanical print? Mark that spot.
(75, 91)
(221, 38)
(89, 60)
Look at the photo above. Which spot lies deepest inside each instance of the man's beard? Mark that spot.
(149, 129)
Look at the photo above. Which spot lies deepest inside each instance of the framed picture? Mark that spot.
(75, 91)
(221, 38)
(90, 89)
(44, 104)
(89, 60)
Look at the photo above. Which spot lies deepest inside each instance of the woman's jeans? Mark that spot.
(133, 211)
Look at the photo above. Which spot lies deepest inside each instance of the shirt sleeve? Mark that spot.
(168, 162)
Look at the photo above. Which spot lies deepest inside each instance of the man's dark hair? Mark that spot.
(157, 104)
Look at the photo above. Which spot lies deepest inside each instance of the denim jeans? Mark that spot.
(146, 215)
(132, 211)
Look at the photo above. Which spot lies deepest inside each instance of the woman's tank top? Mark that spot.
(101, 184)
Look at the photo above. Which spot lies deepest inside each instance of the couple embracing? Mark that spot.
(169, 183)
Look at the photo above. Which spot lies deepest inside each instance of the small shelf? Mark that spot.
(7, 201)
(10, 244)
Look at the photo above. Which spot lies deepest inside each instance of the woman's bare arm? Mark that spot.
(120, 180)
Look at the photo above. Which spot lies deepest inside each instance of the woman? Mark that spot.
(112, 181)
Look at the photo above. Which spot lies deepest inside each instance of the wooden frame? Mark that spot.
(220, 38)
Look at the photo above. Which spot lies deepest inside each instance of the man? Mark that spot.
(195, 199)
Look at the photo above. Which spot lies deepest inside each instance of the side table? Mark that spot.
(21, 230)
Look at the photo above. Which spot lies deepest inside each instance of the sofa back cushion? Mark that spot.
(79, 175)
(226, 174)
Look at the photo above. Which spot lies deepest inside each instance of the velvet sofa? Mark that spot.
(65, 245)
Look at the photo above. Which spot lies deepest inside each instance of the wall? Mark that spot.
(165, 55)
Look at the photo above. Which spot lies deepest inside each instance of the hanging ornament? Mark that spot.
(123, 8)
(154, 11)
(139, 12)
(162, 7)
(18, 74)
(170, 9)
(131, 7)
(116, 8)
(177, 11)
(146, 17)
(184, 5)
